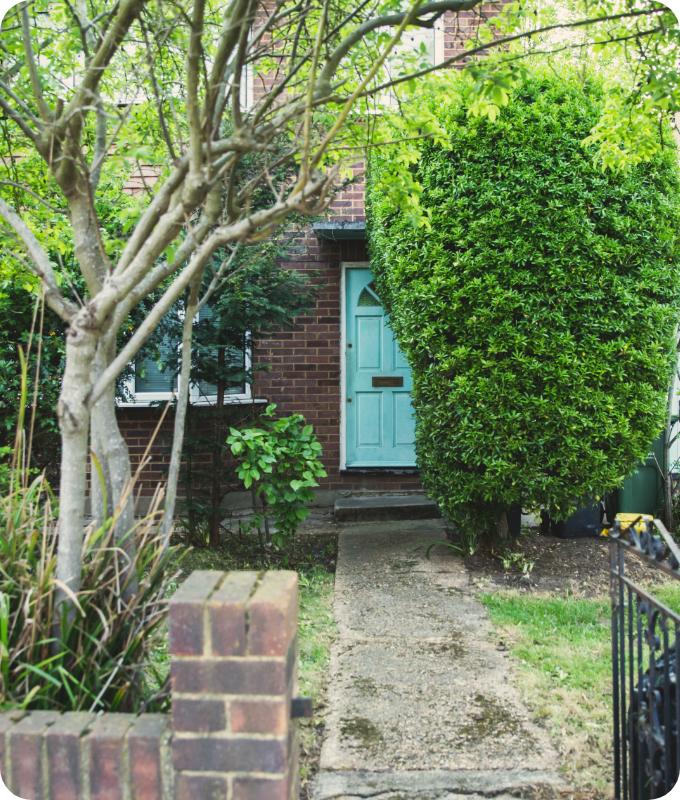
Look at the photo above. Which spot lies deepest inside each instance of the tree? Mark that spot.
(259, 297)
(92, 88)
(539, 309)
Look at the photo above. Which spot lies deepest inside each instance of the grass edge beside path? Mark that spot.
(562, 648)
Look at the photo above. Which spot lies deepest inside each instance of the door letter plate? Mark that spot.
(384, 381)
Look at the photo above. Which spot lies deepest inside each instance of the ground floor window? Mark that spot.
(155, 374)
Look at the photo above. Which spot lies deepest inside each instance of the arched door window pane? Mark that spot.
(369, 297)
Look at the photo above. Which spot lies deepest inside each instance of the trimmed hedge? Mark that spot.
(538, 312)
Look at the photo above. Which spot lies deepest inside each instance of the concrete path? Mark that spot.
(421, 702)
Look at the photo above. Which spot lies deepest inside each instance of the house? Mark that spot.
(340, 365)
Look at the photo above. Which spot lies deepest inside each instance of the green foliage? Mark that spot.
(21, 311)
(257, 297)
(95, 662)
(280, 462)
(538, 310)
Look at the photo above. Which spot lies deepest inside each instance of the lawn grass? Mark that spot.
(316, 626)
(316, 632)
(563, 648)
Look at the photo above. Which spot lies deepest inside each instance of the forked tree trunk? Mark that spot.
(74, 423)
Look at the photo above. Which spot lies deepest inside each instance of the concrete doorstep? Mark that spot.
(422, 704)
(385, 507)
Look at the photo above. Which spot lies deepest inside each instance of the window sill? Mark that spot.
(205, 402)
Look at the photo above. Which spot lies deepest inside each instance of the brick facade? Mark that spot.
(229, 736)
(304, 364)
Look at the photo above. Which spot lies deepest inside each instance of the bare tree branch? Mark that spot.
(414, 16)
(43, 108)
(25, 189)
(503, 41)
(180, 410)
(14, 115)
(192, 84)
(128, 11)
(238, 231)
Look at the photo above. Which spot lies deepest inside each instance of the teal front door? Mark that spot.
(378, 414)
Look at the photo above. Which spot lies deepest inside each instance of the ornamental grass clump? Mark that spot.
(93, 653)
(537, 309)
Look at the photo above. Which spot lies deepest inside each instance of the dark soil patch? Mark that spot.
(314, 545)
(362, 730)
(547, 564)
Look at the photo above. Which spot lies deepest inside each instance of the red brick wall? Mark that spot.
(305, 362)
(144, 436)
(229, 736)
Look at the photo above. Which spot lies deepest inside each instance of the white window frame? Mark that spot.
(198, 399)
(145, 399)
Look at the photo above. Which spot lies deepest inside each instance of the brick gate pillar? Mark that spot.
(234, 671)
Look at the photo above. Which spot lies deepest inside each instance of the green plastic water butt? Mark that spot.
(642, 492)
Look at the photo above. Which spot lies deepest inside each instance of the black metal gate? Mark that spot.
(645, 659)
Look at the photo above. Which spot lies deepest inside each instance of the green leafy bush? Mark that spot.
(98, 662)
(280, 462)
(538, 307)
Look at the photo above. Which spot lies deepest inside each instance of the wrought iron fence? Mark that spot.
(645, 660)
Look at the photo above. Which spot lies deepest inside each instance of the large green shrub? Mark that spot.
(538, 310)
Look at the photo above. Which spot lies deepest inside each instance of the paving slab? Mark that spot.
(435, 785)
(420, 696)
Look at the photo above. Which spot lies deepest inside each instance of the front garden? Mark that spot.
(523, 225)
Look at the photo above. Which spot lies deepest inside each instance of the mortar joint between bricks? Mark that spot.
(166, 765)
(125, 779)
(246, 616)
(85, 763)
(269, 776)
(205, 619)
(227, 735)
(216, 659)
(44, 761)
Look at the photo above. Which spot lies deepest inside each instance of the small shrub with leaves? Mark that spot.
(280, 463)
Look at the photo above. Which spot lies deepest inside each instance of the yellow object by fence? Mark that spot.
(640, 522)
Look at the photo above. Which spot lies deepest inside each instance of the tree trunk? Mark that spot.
(114, 457)
(216, 487)
(502, 526)
(180, 413)
(74, 423)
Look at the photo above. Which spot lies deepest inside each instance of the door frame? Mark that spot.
(344, 266)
